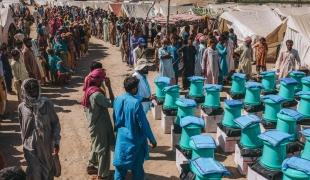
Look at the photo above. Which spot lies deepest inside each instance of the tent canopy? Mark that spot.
(116, 8)
(138, 10)
(260, 23)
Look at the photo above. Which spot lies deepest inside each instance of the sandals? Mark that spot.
(92, 170)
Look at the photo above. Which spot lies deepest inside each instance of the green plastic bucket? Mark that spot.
(249, 137)
(202, 146)
(297, 75)
(171, 95)
(304, 103)
(212, 98)
(286, 123)
(269, 80)
(187, 133)
(252, 95)
(305, 83)
(287, 89)
(306, 151)
(273, 157)
(292, 174)
(160, 84)
(238, 83)
(272, 107)
(186, 107)
(231, 113)
(196, 86)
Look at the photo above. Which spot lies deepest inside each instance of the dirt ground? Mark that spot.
(75, 143)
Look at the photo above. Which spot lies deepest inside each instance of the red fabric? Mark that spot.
(96, 76)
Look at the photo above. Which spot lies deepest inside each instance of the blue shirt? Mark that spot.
(132, 129)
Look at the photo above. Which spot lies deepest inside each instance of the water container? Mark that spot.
(250, 130)
(232, 110)
(171, 95)
(196, 86)
(305, 83)
(202, 146)
(297, 75)
(306, 151)
(274, 150)
(160, 84)
(186, 107)
(304, 103)
(212, 98)
(252, 95)
(287, 121)
(273, 105)
(268, 80)
(191, 126)
(238, 83)
(287, 88)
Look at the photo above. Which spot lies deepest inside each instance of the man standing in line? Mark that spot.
(40, 131)
(133, 131)
(144, 90)
(288, 60)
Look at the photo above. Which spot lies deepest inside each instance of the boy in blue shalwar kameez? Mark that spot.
(133, 131)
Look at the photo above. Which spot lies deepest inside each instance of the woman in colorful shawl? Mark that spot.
(222, 51)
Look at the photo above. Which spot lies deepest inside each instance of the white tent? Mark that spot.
(256, 24)
(6, 21)
(138, 10)
(298, 30)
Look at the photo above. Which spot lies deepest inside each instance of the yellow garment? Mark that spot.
(17, 86)
(19, 70)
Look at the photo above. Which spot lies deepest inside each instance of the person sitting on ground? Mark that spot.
(63, 73)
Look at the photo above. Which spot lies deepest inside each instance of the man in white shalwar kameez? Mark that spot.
(144, 90)
(288, 60)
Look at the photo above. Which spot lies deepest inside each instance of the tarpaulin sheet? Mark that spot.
(138, 10)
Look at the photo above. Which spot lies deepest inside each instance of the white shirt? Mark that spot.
(143, 90)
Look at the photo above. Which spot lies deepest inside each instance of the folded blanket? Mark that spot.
(239, 75)
(196, 78)
(252, 84)
(306, 132)
(171, 88)
(275, 137)
(274, 98)
(183, 102)
(247, 120)
(207, 166)
(162, 79)
(289, 81)
(291, 113)
(233, 103)
(192, 120)
(298, 164)
(203, 141)
(213, 87)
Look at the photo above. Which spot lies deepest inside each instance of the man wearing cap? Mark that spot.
(144, 90)
(138, 51)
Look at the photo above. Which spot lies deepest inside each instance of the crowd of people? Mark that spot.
(62, 38)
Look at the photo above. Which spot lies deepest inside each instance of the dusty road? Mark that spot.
(75, 143)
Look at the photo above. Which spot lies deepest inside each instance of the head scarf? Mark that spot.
(34, 103)
(94, 77)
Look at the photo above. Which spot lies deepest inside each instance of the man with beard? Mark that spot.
(40, 131)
